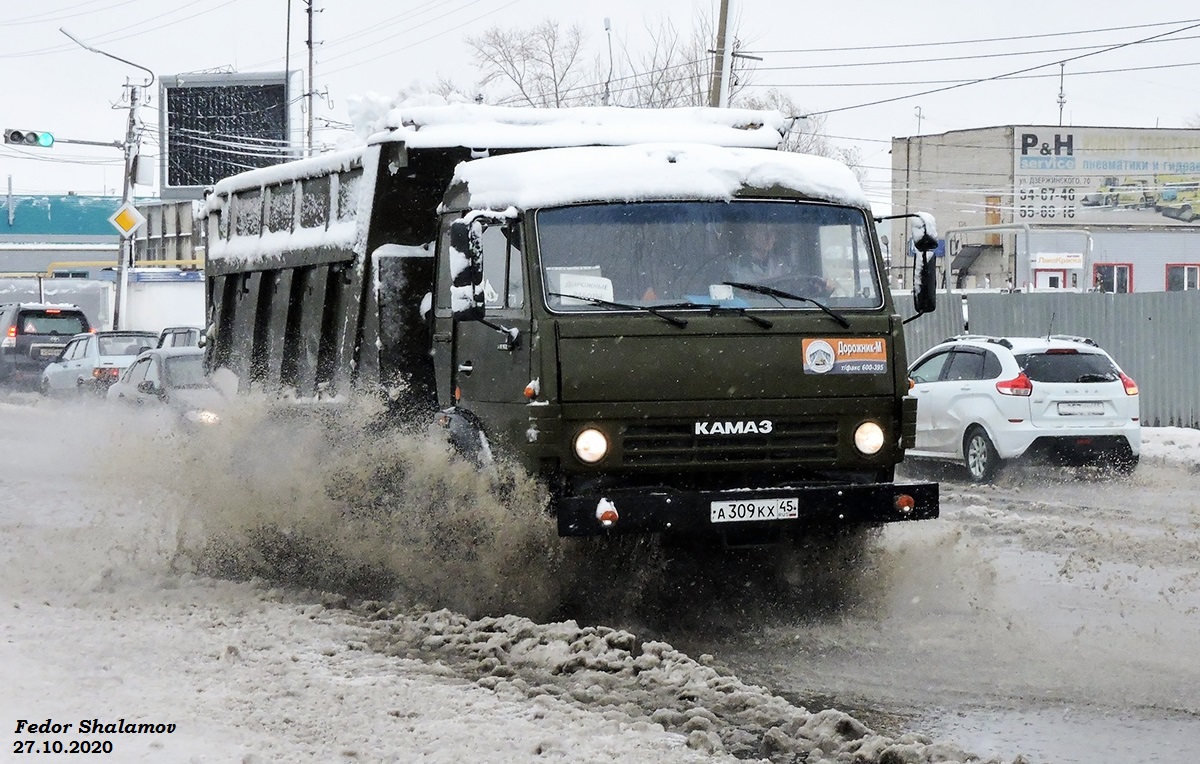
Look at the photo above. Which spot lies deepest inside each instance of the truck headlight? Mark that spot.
(200, 416)
(868, 438)
(591, 445)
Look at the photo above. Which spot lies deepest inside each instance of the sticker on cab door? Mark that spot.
(845, 356)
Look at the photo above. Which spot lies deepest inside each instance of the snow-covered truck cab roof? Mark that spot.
(648, 172)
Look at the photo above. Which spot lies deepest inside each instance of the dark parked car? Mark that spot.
(32, 336)
(171, 380)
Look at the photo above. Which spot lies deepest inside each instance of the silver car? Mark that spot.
(91, 362)
(171, 380)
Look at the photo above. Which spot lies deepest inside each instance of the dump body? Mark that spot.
(592, 313)
(316, 269)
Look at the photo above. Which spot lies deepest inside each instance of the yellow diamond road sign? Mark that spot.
(127, 219)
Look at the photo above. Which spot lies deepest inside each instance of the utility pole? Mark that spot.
(132, 149)
(131, 158)
(722, 80)
(1062, 93)
(308, 95)
(608, 82)
(287, 53)
(718, 93)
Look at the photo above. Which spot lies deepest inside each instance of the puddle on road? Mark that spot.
(1069, 735)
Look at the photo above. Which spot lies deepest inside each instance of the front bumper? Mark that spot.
(688, 513)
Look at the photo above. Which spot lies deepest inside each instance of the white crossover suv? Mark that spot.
(982, 400)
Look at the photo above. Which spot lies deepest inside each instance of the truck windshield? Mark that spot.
(660, 253)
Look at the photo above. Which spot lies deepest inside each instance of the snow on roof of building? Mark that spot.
(651, 171)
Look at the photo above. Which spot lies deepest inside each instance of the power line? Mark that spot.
(427, 39)
(396, 20)
(1006, 75)
(113, 36)
(361, 48)
(41, 18)
(1013, 38)
(894, 83)
(945, 59)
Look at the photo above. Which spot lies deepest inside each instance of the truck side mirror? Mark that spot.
(466, 270)
(925, 241)
(925, 291)
(924, 233)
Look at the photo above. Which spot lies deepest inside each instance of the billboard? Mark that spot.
(1106, 175)
(212, 126)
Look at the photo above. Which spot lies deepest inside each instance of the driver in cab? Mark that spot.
(762, 260)
(766, 263)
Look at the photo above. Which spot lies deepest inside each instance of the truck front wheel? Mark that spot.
(466, 436)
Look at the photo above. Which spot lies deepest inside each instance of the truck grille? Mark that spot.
(673, 445)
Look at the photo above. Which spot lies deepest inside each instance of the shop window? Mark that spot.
(1112, 277)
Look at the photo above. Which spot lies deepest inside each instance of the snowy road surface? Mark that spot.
(134, 592)
(1048, 615)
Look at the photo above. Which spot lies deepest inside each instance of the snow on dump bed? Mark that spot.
(478, 126)
(499, 127)
(653, 171)
(311, 167)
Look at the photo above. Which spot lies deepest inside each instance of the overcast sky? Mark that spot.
(827, 57)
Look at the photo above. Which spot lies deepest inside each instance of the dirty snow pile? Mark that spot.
(639, 685)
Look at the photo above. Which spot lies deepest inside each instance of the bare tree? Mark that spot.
(675, 71)
(807, 133)
(541, 66)
(672, 72)
(544, 66)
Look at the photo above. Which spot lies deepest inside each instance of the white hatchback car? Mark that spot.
(981, 400)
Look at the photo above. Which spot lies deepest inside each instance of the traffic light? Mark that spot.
(29, 137)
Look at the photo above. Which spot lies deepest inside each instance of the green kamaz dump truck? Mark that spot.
(678, 327)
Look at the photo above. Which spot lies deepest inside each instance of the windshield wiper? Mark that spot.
(653, 310)
(715, 308)
(779, 294)
(1097, 377)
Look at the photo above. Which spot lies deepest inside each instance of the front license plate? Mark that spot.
(1081, 407)
(754, 509)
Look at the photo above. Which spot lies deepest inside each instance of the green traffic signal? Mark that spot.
(29, 137)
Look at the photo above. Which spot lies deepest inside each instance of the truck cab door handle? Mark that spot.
(466, 367)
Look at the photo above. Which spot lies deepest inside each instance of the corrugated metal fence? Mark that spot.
(1154, 336)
